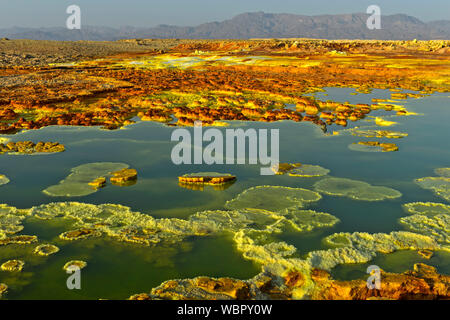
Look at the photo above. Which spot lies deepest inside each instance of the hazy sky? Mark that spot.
(50, 13)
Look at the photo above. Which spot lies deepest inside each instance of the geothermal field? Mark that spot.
(357, 171)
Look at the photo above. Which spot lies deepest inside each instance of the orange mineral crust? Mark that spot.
(422, 283)
(212, 81)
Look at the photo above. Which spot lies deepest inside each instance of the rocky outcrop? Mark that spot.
(423, 282)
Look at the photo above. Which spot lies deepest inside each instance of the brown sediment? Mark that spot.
(140, 296)
(192, 186)
(427, 254)
(124, 177)
(234, 288)
(286, 167)
(45, 249)
(28, 147)
(294, 279)
(12, 265)
(379, 133)
(201, 186)
(3, 289)
(200, 288)
(74, 264)
(385, 147)
(98, 183)
(78, 234)
(22, 239)
(193, 179)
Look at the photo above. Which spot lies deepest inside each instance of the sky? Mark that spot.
(149, 13)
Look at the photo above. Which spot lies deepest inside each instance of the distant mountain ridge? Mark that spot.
(256, 25)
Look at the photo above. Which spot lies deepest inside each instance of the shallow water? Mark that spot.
(117, 270)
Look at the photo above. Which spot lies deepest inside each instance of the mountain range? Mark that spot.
(255, 25)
